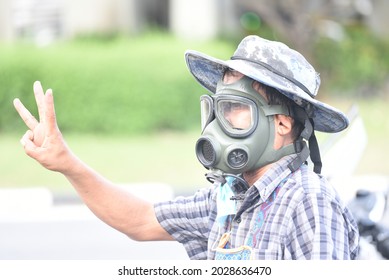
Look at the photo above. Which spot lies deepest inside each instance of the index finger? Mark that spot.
(39, 98)
(50, 117)
(25, 114)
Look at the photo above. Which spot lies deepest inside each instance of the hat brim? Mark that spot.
(208, 71)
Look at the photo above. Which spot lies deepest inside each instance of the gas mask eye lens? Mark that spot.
(236, 114)
(206, 107)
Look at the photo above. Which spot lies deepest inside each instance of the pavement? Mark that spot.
(35, 225)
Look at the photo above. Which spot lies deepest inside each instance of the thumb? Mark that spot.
(28, 144)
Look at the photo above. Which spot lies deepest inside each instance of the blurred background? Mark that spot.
(127, 105)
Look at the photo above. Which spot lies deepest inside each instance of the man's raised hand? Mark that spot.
(43, 141)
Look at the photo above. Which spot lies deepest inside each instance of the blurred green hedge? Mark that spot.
(119, 86)
(126, 85)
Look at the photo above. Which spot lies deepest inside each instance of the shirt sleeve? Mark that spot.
(187, 220)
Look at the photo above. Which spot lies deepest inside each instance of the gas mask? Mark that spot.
(238, 129)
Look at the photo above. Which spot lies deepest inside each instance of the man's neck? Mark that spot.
(252, 176)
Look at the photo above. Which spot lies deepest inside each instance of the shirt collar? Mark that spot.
(273, 177)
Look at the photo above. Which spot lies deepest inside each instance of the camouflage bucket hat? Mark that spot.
(276, 65)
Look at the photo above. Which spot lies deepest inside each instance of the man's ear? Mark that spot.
(283, 124)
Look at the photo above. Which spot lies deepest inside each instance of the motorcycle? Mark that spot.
(370, 210)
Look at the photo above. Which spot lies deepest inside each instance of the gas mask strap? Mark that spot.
(315, 153)
(302, 152)
(308, 134)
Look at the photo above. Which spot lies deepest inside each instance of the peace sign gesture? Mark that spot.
(43, 141)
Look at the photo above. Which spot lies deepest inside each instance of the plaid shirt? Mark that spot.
(306, 220)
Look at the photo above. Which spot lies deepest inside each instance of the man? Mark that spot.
(265, 202)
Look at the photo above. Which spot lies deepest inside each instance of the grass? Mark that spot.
(375, 115)
(164, 157)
